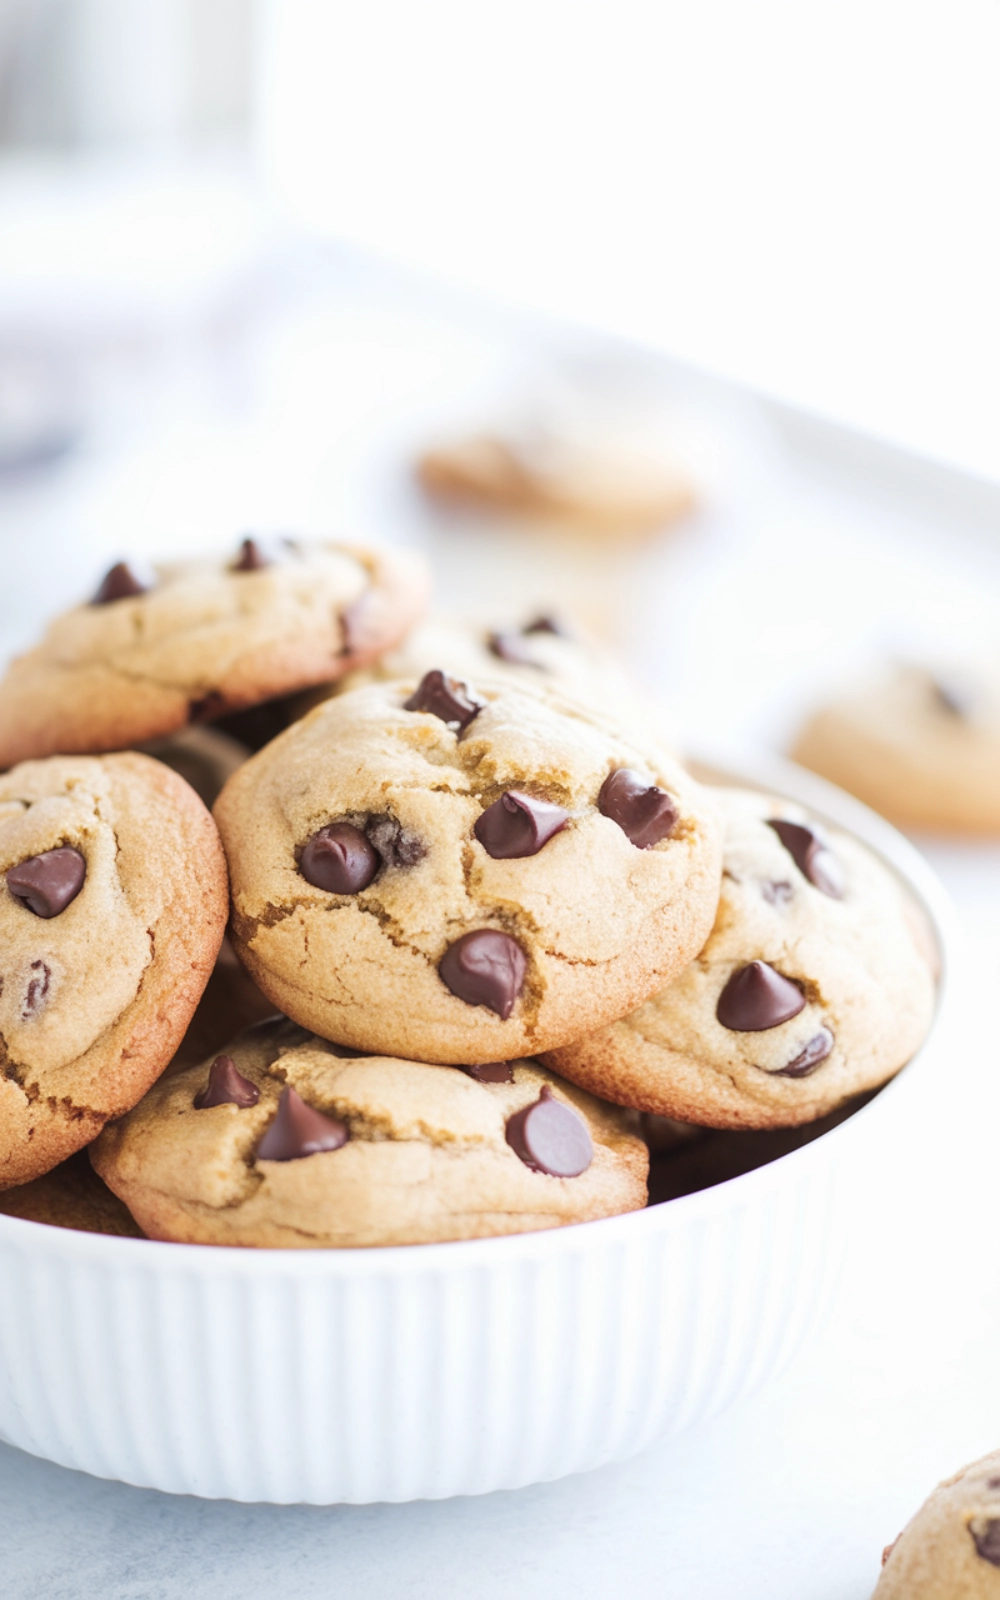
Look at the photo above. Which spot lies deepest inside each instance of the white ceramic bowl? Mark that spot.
(444, 1369)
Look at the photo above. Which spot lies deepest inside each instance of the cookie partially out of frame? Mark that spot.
(951, 1548)
(816, 984)
(71, 1196)
(456, 872)
(194, 640)
(113, 903)
(284, 1142)
(920, 746)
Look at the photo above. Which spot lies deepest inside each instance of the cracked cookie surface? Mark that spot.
(817, 983)
(598, 922)
(426, 1157)
(97, 989)
(951, 1549)
(203, 640)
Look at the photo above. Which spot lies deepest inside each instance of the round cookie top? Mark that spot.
(951, 1548)
(113, 902)
(455, 872)
(542, 650)
(817, 983)
(193, 640)
(287, 1141)
(920, 745)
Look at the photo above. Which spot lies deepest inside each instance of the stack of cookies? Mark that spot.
(494, 941)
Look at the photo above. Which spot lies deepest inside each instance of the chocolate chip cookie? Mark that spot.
(285, 1140)
(951, 1548)
(542, 648)
(815, 985)
(193, 640)
(112, 909)
(602, 484)
(921, 746)
(464, 872)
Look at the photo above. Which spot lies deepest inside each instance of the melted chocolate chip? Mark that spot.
(546, 624)
(551, 1137)
(397, 846)
(518, 825)
(985, 1533)
(485, 968)
(777, 893)
(48, 883)
(812, 855)
(811, 1056)
(253, 557)
(491, 1072)
(38, 989)
(208, 707)
(120, 583)
(644, 812)
(993, 1483)
(448, 698)
(956, 700)
(339, 859)
(299, 1130)
(508, 647)
(226, 1086)
(756, 998)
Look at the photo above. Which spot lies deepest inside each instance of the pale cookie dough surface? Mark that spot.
(605, 486)
(515, 652)
(923, 748)
(951, 1548)
(426, 1159)
(94, 1000)
(862, 963)
(203, 641)
(601, 923)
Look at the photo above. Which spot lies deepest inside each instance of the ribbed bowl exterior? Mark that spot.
(355, 1376)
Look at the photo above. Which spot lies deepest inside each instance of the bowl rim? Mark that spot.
(734, 768)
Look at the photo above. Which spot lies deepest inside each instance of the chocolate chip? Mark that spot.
(38, 989)
(518, 825)
(226, 1086)
(644, 812)
(208, 707)
(809, 1057)
(485, 968)
(812, 855)
(551, 1137)
(339, 859)
(397, 846)
(508, 647)
(362, 623)
(491, 1072)
(777, 893)
(985, 1533)
(448, 698)
(756, 997)
(120, 583)
(253, 557)
(48, 883)
(299, 1130)
(956, 700)
(546, 624)
(993, 1483)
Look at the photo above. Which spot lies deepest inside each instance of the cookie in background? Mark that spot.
(919, 744)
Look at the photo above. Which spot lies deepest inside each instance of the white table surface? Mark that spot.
(810, 556)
